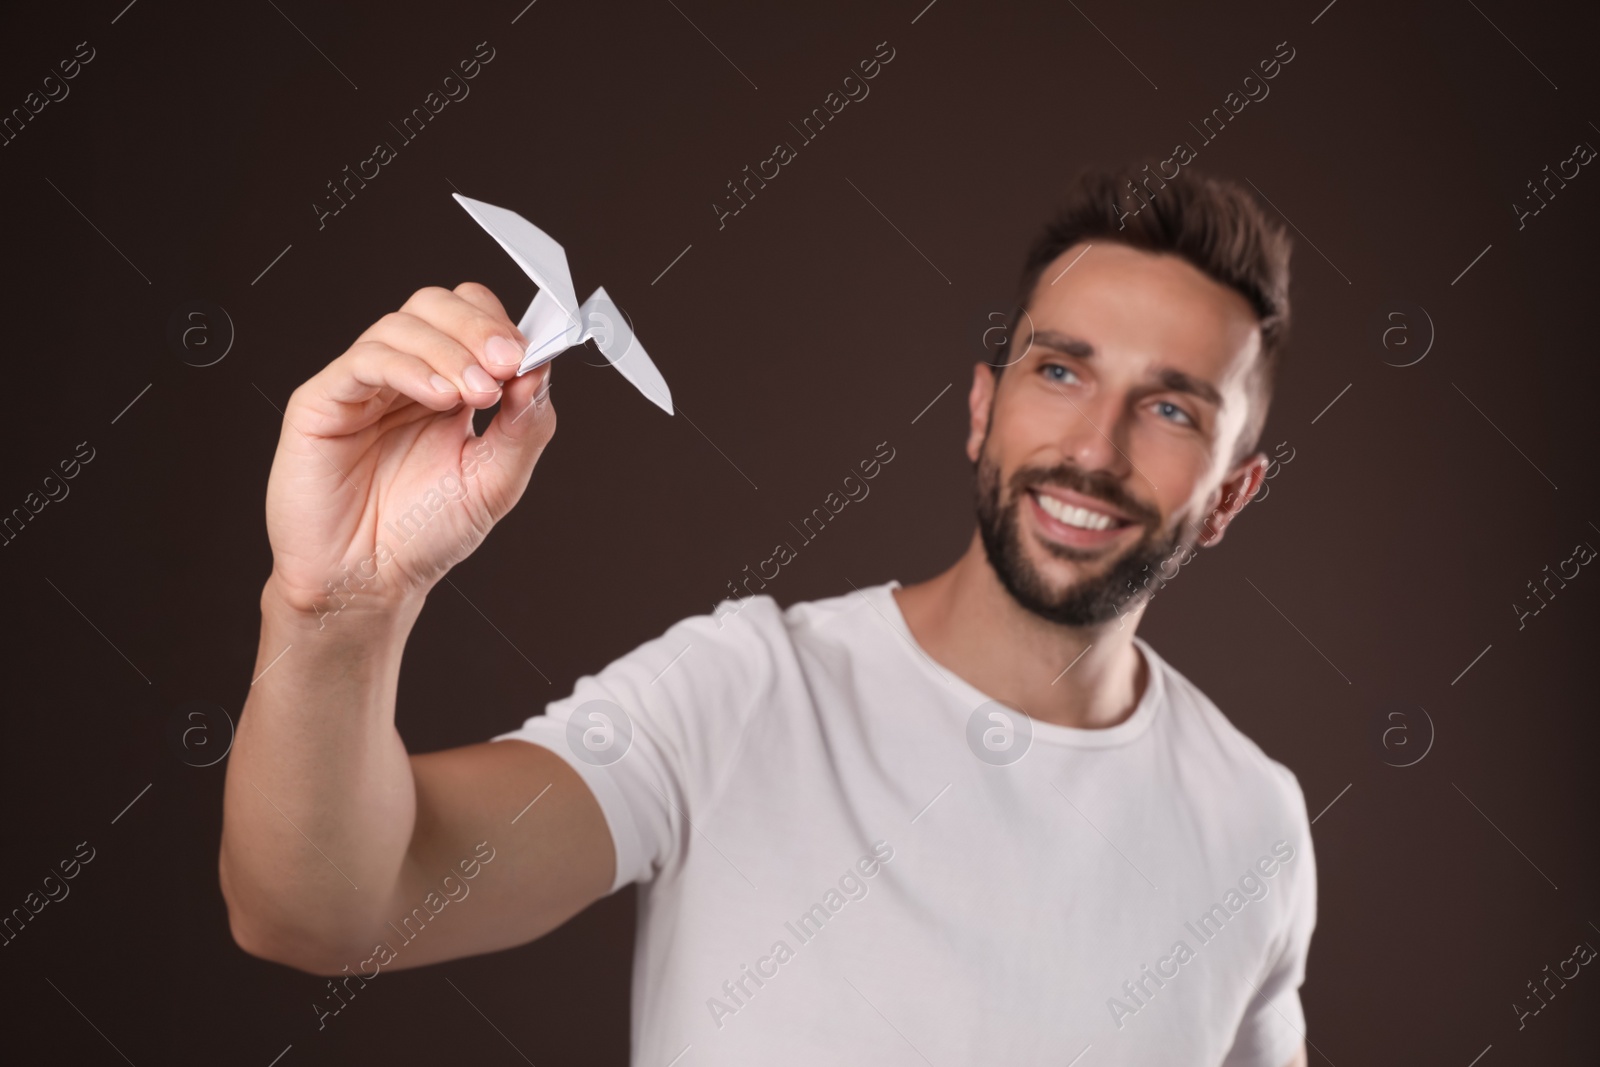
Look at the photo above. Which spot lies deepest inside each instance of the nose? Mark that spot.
(1095, 434)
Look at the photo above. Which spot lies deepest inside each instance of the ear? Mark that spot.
(1237, 490)
(979, 399)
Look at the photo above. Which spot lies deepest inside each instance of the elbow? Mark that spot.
(254, 940)
(260, 935)
(290, 949)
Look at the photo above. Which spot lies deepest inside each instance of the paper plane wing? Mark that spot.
(613, 335)
(541, 258)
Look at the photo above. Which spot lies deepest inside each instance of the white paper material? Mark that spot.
(555, 321)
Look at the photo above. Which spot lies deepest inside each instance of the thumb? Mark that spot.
(517, 436)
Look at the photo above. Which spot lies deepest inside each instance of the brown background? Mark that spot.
(796, 339)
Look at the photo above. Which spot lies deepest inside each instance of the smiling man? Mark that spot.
(971, 820)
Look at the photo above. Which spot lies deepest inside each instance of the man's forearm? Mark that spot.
(319, 802)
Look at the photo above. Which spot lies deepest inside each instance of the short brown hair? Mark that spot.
(1214, 224)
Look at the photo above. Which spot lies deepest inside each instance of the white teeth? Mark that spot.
(1082, 518)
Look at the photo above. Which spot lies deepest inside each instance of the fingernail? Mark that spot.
(503, 351)
(478, 380)
(441, 383)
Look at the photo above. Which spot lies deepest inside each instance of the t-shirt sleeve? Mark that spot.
(653, 732)
(1274, 1022)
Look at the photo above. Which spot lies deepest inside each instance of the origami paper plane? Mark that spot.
(555, 321)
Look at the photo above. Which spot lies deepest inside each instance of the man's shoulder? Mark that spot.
(1202, 726)
(800, 620)
(749, 641)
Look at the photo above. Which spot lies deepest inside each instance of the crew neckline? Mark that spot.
(1144, 713)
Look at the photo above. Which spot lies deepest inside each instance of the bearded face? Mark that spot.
(1120, 421)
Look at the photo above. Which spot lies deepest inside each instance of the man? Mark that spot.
(971, 820)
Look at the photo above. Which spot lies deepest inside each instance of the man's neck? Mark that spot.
(1089, 678)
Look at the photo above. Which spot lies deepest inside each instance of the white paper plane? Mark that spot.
(555, 321)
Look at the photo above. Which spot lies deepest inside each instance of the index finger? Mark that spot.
(482, 297)
(474, 318)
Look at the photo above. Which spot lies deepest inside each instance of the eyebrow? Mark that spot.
(1171, 378)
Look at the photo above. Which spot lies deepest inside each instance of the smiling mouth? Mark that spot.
(1080, 518)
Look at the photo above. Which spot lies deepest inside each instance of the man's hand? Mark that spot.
(378, 473)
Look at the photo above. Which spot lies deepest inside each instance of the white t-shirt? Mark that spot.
(843, 860)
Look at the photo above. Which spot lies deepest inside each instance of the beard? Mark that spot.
(1092, 600)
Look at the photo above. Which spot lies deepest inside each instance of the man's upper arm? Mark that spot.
(509, 843)
(610, 772)
(654, 732)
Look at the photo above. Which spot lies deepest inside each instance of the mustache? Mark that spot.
(1095, 485)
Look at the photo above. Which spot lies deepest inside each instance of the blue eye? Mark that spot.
(1046, 369)
(1167, 408)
